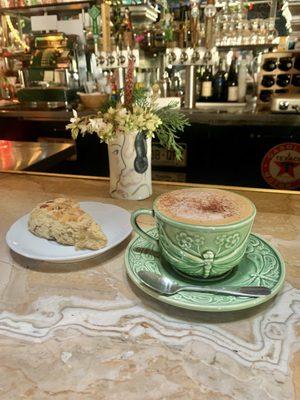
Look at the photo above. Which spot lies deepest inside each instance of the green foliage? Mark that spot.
(109, 103)
(172, 121)
(140, 97)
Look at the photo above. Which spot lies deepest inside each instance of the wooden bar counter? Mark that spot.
(82, 331)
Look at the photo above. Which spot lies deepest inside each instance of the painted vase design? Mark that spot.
(130, 166)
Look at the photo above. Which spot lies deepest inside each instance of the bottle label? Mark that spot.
(206, 90)
(233, 93)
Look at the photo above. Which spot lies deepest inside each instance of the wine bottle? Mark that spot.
(198, 83)
(296, 80)
(283, 80)
(219, 83)
(206, 84)
(265, 95)
(285, 63)
(268, 81)
(232, 82)
(269, 64)
(297, 63)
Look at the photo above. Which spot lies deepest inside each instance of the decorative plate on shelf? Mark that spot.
(114, 221)
(261, 266)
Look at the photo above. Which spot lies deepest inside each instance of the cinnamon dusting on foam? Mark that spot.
(200, 205)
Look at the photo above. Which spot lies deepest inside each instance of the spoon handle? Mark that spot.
(243, 291)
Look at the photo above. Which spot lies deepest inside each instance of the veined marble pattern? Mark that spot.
(122, 318)
(82, 331)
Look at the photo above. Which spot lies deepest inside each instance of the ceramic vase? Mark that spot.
(130, 166)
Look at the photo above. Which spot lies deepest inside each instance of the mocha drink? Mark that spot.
(207, 207)
(201, 232)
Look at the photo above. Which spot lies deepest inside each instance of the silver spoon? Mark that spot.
(164, 285)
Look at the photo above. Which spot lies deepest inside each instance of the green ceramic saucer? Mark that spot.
(261, 265)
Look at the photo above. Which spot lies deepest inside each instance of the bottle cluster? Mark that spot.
(222, 84)
(279, 74)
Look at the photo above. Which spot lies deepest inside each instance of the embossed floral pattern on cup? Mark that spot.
(188, 241)
(187, 249)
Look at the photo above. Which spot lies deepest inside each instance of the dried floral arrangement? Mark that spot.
(137, 114)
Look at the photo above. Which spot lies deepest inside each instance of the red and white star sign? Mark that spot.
(280, 166)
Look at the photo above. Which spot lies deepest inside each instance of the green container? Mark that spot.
(198, 250)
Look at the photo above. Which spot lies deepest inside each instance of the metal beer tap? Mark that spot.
(195, 57)
(184, 57)
(172, 57)
(110, 59)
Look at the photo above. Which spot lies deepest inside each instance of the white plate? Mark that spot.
(114, 221)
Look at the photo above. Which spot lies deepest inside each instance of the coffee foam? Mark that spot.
(204, 206)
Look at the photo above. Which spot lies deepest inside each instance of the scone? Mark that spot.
(64, 221)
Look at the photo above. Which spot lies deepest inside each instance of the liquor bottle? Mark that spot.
(180, 35)
(114, 91)
(283, 80)
(127, 29)
(198, 83)
(168, 26)
(176, 13)
(147, 42)
(159, 37)
(164, 85)
(182, 10)
(232, 82)
(187, 31)
(219, 83)
(206, 84)
(268, 81)
(4, 90)
(175, 85)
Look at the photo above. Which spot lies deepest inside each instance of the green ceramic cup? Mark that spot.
(196, 250)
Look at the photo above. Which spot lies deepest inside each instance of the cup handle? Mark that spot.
(140, 231)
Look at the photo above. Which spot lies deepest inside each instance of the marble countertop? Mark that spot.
(82, 331)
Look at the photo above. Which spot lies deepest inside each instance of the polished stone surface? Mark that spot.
(16, 155)
(83, 331)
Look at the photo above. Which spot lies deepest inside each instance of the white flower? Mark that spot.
(115, 121)
(96, 125)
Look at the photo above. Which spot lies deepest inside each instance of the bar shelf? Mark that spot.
(42, 8)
